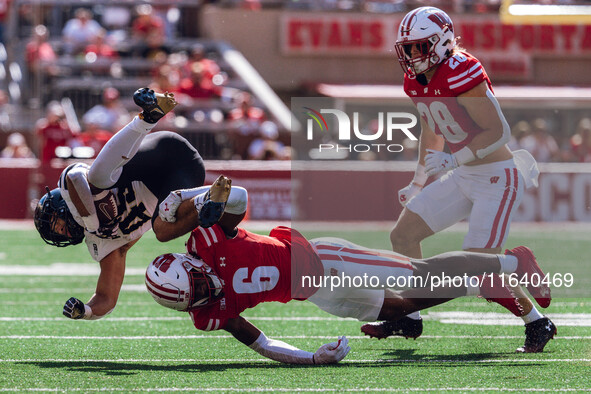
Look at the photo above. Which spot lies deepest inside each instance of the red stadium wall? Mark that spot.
(324, 191)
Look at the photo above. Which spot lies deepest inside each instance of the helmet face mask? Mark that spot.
(431, 31)
(54, 221)
(182, 282)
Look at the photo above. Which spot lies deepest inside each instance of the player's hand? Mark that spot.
(108, 230)
(437, 161)
(168, 207)
(404, 195)
(332, 352)
(74, 309)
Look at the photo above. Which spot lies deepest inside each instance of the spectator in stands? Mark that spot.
(266, 146)
(245, 121)
(540, 143)
(111, 115)
(196, 86)
(519, 131)
(581, 142)
(53, 132)
(93, 136)
(100, 47)
(39, 54)
(80, 31)
(16, 148)
(197, 56)
(166, 79)
(153, 47)
(146, 24)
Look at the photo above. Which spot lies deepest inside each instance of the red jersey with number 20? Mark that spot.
(437, 104)
(254, 268)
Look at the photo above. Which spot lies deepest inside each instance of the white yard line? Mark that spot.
(290, 389)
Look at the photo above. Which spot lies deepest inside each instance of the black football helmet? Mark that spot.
(51, 207)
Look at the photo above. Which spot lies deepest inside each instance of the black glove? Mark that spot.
(74, 309)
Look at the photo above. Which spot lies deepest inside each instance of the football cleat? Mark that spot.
(528, 266)
(212, 208)
(492, 289)
(154, 105)
(537, 334)
(405, 327)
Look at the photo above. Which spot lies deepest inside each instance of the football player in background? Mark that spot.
(228, 269)
(481, 179)
(112, 203)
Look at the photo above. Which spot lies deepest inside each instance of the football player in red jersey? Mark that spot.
(481, 179)
(228, 270)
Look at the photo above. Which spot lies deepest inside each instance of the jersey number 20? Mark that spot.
(261, 279)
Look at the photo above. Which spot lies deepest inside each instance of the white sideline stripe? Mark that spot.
(454, 317)
(62, 269)
(177, 337)
(133, 288)
(259, 360)
(289, 390)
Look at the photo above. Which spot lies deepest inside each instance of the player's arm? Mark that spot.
(248, 334)
(80, 193)
(484, 109)
(107, 288)
(427, 140)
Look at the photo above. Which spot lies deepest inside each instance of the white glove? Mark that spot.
(332, 352)
(437, 161)
(404, 195)
(169, 206)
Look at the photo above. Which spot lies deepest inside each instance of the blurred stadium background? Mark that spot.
(68, 69)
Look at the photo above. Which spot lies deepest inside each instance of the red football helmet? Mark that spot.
(431, 31)
(182, 282)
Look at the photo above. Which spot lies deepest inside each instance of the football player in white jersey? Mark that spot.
(132, 174)
(480, 179)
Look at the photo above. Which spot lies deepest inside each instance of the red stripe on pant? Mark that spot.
(511, 202)
(493, 233)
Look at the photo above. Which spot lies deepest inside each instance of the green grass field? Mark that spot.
(144, 347)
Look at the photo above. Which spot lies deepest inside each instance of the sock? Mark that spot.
(472, 287)
(532, 316)
(508, 263)
(415, 315)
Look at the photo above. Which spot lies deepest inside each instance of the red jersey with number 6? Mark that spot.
(437, 103)
(254, 268)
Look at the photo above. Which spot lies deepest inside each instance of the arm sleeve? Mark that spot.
(281, 351)
(505, 136)
(237, 200)
(78, 176)
(107, 167)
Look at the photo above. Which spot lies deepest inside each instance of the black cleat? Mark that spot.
(405, 327)
(154, 105)
(537, 335)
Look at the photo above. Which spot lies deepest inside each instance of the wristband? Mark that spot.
(421, 176)
(464, 156)
(87, 313)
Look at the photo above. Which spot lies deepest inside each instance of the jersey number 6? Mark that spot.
(261, 279)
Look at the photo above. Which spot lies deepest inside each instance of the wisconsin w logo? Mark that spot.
(494, 179)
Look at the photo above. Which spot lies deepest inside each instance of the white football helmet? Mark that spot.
(182, 282)
(432, 31)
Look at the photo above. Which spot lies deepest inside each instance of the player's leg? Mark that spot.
(497, 193)
(435, 208)
(121, 148)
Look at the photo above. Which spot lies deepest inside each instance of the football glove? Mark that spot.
(74, 309)
(405, 194)
(212, 207)
(437, 161)
(168, 207)
(332, 352)
(154, 105)
(108, 230)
